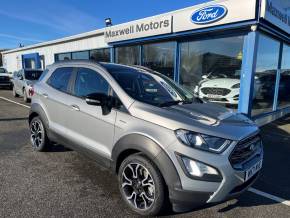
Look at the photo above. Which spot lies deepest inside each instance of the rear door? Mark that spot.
(88, 127)
(55, 98)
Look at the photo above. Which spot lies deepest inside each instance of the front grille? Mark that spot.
(245, 151)
(4, 78)
(215, 91)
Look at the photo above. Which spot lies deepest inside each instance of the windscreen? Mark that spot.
(33, 74)
(154, 89)
(2, 70)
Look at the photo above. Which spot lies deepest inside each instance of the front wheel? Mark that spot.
(15, 95)
(141, 185)
(38, 136)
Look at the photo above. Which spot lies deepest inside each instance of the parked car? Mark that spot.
(5, 78)
(161, 141)
(222, 88)
(23, 82)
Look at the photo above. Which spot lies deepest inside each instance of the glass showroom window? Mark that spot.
(265, 76)
(211, 69)
(160, 57)
(129, 55)
(81, 55)
(64, 56)
(101, 55)
(284, 87)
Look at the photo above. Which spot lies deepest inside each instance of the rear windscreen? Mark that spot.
(32, 75)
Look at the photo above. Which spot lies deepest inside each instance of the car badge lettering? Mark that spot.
(209, 14)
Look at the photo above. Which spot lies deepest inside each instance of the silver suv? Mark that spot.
(161, 141)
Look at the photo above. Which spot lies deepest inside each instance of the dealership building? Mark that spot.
(235, 53)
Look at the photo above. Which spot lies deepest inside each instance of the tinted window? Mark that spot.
(100, 55)
(62, 57)
(284, 87)
(88, 81)
(211, 69)
(129, 55)
(160, 57)
(2, 70)
(32, 74)
(265, 76)
(82, 55)
(60, 78)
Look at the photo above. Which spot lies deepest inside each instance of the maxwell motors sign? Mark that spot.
(276, 14)
(141, 28)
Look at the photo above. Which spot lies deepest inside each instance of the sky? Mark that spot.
(33, 21)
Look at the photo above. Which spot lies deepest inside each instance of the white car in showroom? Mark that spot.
(222, 88)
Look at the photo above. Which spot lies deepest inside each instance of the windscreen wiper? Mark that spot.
(171, 103)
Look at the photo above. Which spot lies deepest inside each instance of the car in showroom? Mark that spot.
(23, 82)
(164, 144)
(221, 87)
(5, 78)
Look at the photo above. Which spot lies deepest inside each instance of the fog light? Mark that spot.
(200, 171)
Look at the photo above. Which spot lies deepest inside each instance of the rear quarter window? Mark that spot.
(60, 78)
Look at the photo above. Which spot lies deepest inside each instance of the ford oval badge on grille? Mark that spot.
(209, 14)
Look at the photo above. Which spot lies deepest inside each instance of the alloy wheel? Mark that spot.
(36, 133)
(138, 186)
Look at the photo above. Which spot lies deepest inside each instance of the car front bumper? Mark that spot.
(195, 193)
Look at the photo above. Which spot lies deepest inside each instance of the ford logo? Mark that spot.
(209, 14)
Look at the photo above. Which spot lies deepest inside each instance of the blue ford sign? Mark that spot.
(209, 14)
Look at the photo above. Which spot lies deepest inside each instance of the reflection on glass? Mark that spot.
(211, 69)
(129, 55)
(62, 57)
(284, 87)
(265, 76)
(160, 57)
(82, 55)
(101, 55)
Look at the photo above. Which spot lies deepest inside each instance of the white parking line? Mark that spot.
(6, 99)
(272, 197)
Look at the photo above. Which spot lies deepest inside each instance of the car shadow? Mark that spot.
(13, 119)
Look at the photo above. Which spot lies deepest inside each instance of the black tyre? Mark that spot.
(38, 136)
(25, 98)
(141, 185)
(14, 92)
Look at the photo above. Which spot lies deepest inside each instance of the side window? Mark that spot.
(60, 78)
(43, 75)
(89, 81)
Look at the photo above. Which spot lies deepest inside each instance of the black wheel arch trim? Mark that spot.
(37, 109)
(153, 151)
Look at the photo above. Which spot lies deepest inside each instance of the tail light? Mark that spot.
(31, 91)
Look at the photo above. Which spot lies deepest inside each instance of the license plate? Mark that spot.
(253, 170)
(214, 96)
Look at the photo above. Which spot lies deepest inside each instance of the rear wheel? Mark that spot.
(25, 98)
(141, 185)
(38, 136)
(14, 92)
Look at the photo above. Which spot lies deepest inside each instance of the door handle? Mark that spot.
(75, 107)
(45, 95)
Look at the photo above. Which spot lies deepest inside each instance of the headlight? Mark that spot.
(236, 86)
(202, 142)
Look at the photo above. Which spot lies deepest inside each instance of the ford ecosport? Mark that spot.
(161, 141)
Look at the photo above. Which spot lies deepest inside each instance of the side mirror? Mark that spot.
(100, 99)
